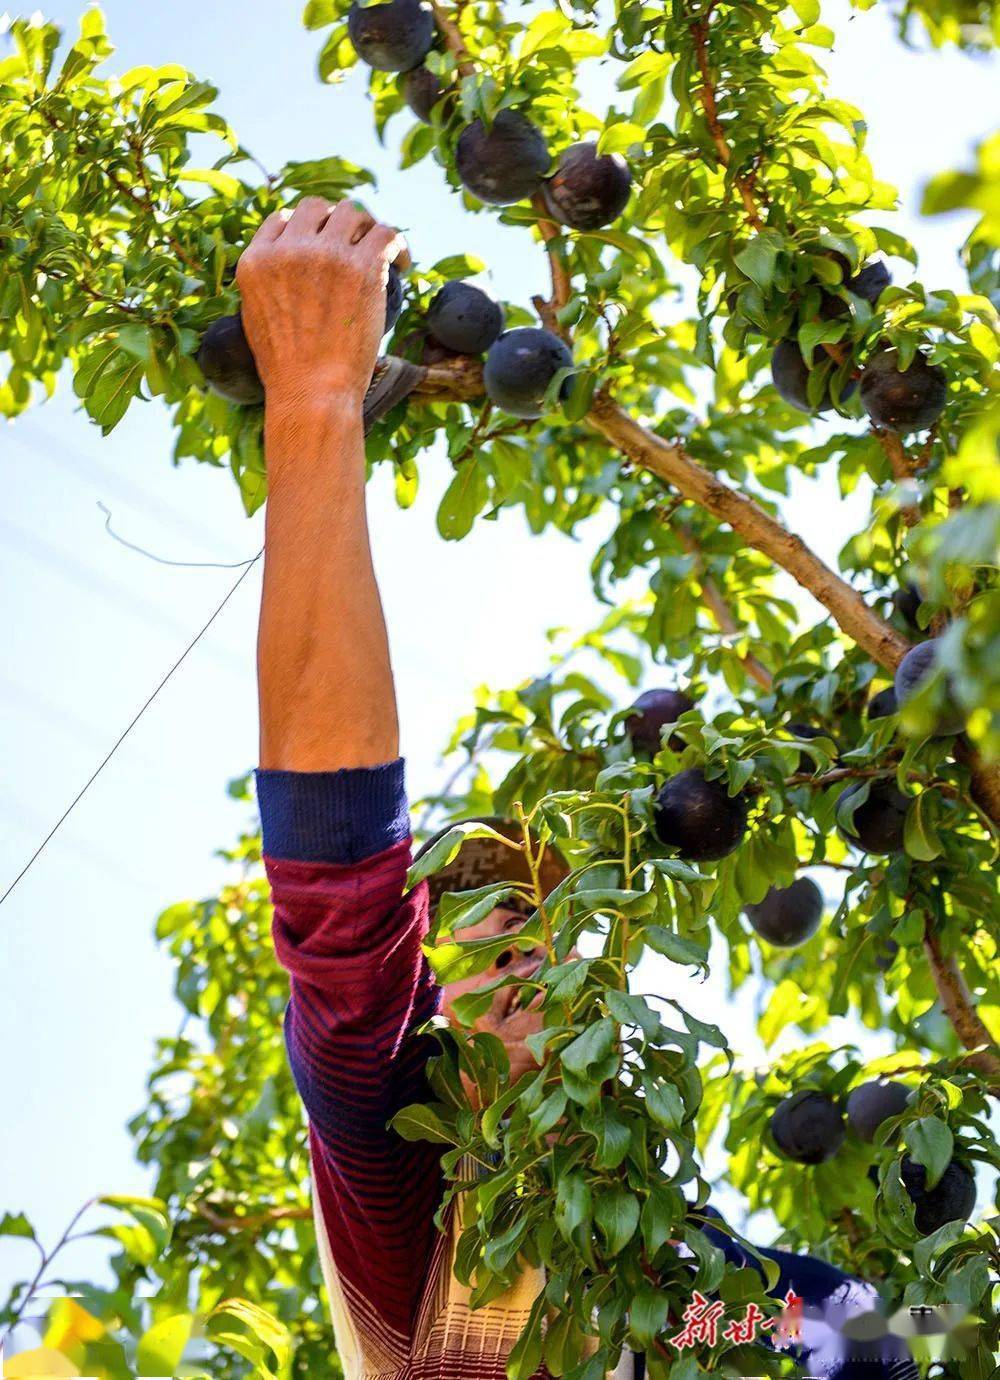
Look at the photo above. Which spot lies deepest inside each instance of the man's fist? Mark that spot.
(314, 297)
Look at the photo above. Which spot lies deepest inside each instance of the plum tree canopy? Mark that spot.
(118, 251)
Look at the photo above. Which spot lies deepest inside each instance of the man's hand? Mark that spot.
(314, 309)
(313, 289)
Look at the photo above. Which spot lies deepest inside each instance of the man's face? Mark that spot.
(506, 1018)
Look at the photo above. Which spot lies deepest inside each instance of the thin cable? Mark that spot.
(162, 560)
(87, 785)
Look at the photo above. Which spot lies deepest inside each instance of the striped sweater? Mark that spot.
(337, 849)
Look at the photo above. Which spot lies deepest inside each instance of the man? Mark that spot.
(336, 830)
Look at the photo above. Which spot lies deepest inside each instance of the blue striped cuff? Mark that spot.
(340, 816)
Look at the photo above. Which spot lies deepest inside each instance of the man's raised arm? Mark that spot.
(313, 290)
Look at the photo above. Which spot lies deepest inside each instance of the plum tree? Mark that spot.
(227, 362)
(520, 367)
(587, 189)
(878, 823)
(874, 1102)
(464, 318)
(675, 473)
(914, 669)
(910, 399)
(807, 1127)
(790, 375)
(650, 712)
(699, 817)
(788, 916)
(421, 89)
(505, 162)
(952, 1198)
(391, 35)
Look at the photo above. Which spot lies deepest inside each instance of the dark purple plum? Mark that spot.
(788, 916)
(872, 1103)
(903, 400)
(651, 711)
(915, 667)
(883, 704)
(870, 282)
(464, 318)
(226, 360)
(790, 375)
(952, 1198)
(878, 822)
(421, 89)
(520, 366)
(699, 817)
(505, 163)
(392, 36)
(587, 189)
(808, 1127)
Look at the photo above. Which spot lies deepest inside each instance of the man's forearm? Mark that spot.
(325, 681)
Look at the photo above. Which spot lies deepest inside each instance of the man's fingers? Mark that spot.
(348, 222)
(389, 244)
(270, 229)
(308, 218)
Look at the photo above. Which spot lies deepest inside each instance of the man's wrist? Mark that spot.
(300, 421)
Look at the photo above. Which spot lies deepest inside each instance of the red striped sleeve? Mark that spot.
(360, 987)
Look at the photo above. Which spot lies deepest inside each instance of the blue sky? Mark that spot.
(89, 628)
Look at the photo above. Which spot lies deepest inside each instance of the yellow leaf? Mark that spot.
(42, 1361)
(71, 1326)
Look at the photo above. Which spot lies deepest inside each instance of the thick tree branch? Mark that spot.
(959, 1006)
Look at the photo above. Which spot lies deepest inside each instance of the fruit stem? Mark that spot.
(903, 468)
(562, 287)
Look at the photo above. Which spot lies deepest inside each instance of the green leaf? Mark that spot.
(464, 498)
(648, 1314)
(267, 1335)
(160, 1349)
(675, 946)
(759, 259)
(931, 1143)
(616, 1216)
(16, 1224)
(418, 1122)
(590, 1048)
(920, 835)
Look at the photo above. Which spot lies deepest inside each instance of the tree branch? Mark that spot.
(721, 611)
(958, 1005)
(707, 97)
(561, 286)
(254, 1222)
(453, 40)
(903, 468)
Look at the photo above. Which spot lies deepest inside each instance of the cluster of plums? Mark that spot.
(703, 822)
(810, 1127)
(462, 318)
(897, 399)
(509, 160)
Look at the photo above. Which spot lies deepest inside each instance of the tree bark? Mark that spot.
(958, 1005)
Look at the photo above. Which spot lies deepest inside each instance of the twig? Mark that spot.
(707, 96)
(720, 609)
(453, 40)
(47, 1258)
(958, 1005)
(903, 468)
(254, 1222)
(562, 287)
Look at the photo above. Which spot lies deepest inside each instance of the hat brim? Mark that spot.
(487, 862)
